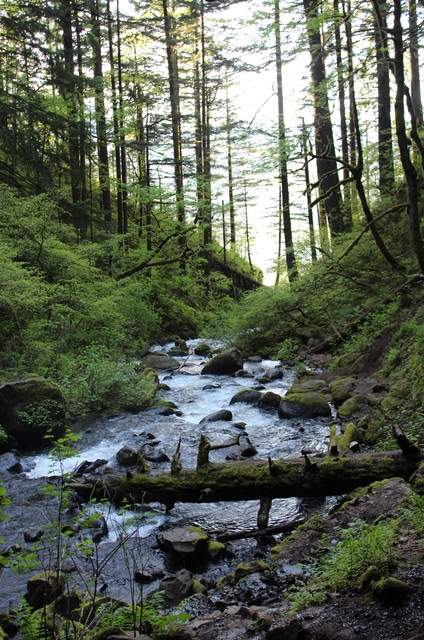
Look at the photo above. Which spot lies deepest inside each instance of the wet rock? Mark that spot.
(153, 454)
(242, 373)
(29, 409)
(127, 456)
(239, 425)
(341, 389)
(203, 349)
(247, 450)
(160, 361)
(216, 416)
(10, 463)
(254, 359)
(177, 352)
(33, 535)
(187, 544)
(270, 400)
(227, 362)
(303, 405)
(275, 374)
(248, 396)
(211, 387)
(89, 467)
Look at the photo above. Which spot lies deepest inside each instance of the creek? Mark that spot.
(196, 396)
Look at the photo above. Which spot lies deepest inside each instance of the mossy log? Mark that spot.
(253, 480)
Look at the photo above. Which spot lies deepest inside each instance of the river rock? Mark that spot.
(30, 408)
(153, 454)
(247, 449)
(277, 373)
(248, 396)
(43, 589)
(216, 416)
(127, 456)
(177, 588)
(160, 361)
(341, 389)
(225, 363)
(303, 405)
(269, 400)
(307, 386)
(187, 544)
(203, 349)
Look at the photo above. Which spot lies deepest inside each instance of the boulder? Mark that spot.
(275, 374)
(248, 396)
(312, 384)
(304, 405)
(160, 362)
(153, 454)
(203, 349)
(225, 363)
(390, 590)
(269, 400)
(247, 450)
(30, 409)
(177, 588)
(43, 589)
(216, 416)
(351, 406)
(127, 456)
(186, 544)
(341, 389)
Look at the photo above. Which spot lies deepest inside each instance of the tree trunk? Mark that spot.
(248, 480)
(415, 63)
(403, 143)
(282, 153)
(308, 194)
(100, 114)
(324, 142)
(116, 132)
(174, 94)
(230, 170)
(342, 108)
(385, 142)
(123, 151)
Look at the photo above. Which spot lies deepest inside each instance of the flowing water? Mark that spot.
(196, 396)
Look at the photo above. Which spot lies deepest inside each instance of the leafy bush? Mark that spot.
(95, 381)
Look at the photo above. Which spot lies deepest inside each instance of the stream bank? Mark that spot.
(243, 587)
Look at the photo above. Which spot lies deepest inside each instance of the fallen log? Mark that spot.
(252, 480)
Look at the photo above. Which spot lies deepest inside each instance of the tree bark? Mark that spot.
(385, 142)
(100, 114)
(248, 480)
(324, 142)
(174, 94)
(415, 63)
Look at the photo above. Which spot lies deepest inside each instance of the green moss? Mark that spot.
(351, 406)
(199, 588)
(215, 547)
(341, 389)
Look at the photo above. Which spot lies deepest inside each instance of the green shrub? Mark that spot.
(95, 381)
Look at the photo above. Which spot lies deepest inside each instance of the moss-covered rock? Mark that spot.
(244, 569)
(43, 589)
(310, 385)
(417, 480)
(247, 396)
(216, 548)
(351, 406)
(186, 544)
(31, 408)
(303, 405)
(159, 362)
(341, 389)
(390, 590)
(225, 363)
(269, 400)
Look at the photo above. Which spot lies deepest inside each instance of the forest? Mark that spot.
(249, 172)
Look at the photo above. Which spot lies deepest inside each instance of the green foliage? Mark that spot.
(45, 414)
(95, 381)
(153, 617)
(338, 568)
(413, 513)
